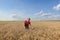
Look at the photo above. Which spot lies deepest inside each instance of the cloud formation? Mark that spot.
(57, 7)
(39, 13)
(11, 15)
(18, 15)
(46, 16)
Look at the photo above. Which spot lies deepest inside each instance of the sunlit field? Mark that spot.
(39, 30)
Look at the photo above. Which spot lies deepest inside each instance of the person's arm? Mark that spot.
(30, 23)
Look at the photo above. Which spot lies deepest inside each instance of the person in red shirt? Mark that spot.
(27, 23)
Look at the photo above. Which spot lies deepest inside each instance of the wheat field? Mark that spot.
(39, 30)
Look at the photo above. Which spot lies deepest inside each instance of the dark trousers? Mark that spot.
(26, 27)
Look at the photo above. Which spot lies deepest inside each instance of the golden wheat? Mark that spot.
(49, 30)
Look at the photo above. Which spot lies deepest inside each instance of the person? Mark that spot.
(27, 23)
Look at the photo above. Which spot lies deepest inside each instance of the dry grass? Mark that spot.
(38, 31)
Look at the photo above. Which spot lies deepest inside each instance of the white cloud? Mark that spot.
(11, 15)
(17, 15)
(57, 7)
(42, 13)
(46, 16)
(39, 13)
(5, 16)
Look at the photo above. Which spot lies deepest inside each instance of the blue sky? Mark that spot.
(35, 9)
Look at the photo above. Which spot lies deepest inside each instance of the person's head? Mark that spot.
(28, 18)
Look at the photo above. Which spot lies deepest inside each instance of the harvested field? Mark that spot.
(39, 30)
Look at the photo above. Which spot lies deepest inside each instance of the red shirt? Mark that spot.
(26, 22)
